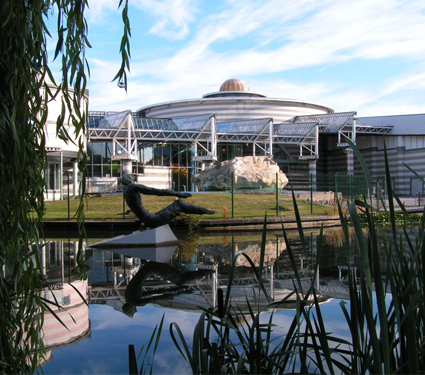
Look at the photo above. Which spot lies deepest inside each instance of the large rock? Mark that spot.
(249, 171)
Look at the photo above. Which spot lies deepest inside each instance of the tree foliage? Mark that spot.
(24, 96)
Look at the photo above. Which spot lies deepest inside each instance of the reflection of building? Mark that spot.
(231, 248)
(166, 143)
(65, 288)
(74, 314)
(111, 272)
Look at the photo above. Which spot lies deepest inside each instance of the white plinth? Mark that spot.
(161, 254)
(161, 236)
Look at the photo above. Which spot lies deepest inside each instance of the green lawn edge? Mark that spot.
(112, 206)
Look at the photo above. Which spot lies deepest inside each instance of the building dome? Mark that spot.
(235, 102)
(233, 87)
(234, 84)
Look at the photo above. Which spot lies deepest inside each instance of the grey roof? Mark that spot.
(402, 124)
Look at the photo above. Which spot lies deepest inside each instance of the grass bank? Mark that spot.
(109, 207)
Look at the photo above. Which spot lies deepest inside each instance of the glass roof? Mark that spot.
(106, 120)
(329, 123)
(300, 128)
(154, 123)
(191, 123)
(243, 126)
(176, 123)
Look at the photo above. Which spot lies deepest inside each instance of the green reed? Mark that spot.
(385, 338)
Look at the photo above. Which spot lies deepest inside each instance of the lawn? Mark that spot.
(110, 207)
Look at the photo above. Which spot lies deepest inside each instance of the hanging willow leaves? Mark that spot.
(26, 87)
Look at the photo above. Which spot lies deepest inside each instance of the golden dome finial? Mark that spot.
(234, 84)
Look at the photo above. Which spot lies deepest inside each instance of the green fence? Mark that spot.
(350, 186)
(347, 186)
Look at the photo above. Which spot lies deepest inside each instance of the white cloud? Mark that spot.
(405, 81)
(173, 16)
(333, 35)
(99, 10)
(249, 38)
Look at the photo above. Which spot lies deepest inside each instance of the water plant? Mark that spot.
(385, 315)
(387, 336)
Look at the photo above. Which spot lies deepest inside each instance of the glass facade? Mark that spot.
(100, 163)
(177, 156)
(229, 151)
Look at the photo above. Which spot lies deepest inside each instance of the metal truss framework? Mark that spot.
(258, 132)
(306, 135)
(125, 129)
(343, 124)
(308, 128)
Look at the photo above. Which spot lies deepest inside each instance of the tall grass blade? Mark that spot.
(298, 220)
(363, 165)
(382, 308)
(148, 359)
(262, 254)
(298, 286)
(362, 246)
(184, 350)
(132, 361)
(390, 194)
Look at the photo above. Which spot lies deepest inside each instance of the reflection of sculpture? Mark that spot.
(132, 196)
(134, 295)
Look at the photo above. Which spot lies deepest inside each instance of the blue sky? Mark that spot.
(361, 55)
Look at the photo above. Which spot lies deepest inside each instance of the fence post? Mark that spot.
(336, 188)
(311, 193)
(233, 199)
(349, 186)
(277, 193)
(69, 212)
(277, 257)
(123, 206)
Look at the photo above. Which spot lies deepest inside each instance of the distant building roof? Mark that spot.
(402, 124)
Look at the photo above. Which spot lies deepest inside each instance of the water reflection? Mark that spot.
(63, 286)
(113, 273)
(137, 294)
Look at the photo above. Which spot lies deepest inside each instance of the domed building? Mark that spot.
(165, 144)
(235, 101)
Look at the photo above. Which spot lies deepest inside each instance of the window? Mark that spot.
(52, 176)
(100, 163)
(66, 300)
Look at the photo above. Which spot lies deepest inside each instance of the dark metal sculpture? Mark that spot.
(132, 195)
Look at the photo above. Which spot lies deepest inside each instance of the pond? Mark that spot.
(98, 334)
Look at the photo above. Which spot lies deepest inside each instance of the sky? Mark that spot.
(366, 56)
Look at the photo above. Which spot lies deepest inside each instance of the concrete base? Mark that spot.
(161, 236)
(322, 196)
(161, 254)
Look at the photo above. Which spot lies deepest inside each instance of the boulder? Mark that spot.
(249, 171)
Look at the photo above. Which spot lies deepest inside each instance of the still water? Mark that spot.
(98, 334)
